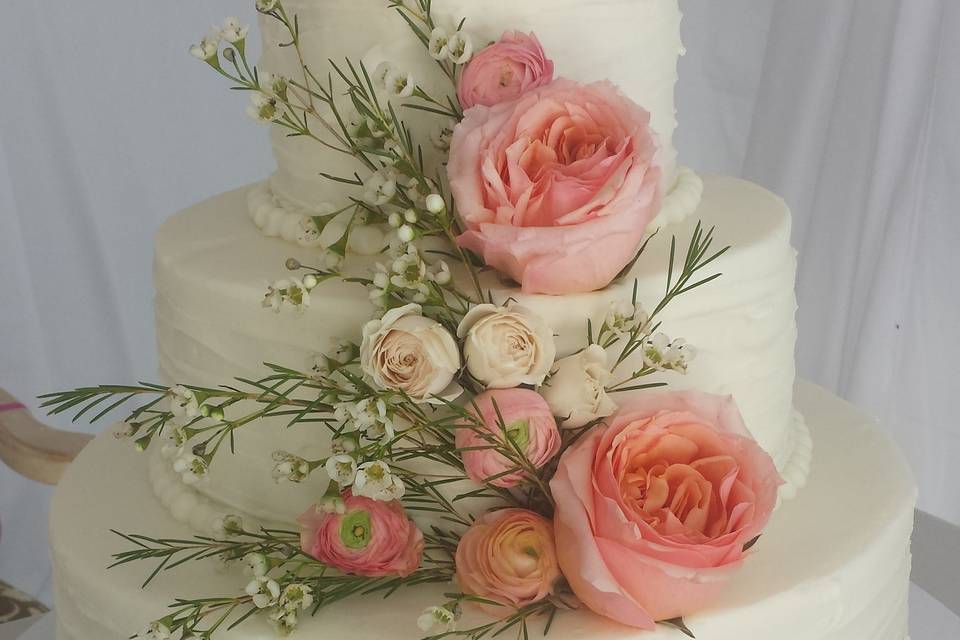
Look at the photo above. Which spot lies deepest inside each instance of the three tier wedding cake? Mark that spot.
(479, 358)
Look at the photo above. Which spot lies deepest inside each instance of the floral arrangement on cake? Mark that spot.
(465, 449)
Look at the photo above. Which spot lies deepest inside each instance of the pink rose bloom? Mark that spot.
(529, 424)
(654, 511)
(557, 188)
(509, 557)
(371, 538)
(504, 71)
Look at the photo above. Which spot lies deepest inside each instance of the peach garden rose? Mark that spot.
(504, 71)
(528, 422)
(653, 512)
(556, 188)
(371, 538)
(509, 557)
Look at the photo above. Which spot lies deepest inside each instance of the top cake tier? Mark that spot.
(633, 43)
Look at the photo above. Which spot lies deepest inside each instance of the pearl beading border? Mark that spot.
(276, 217)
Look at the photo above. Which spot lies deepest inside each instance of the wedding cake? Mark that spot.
(485, 262)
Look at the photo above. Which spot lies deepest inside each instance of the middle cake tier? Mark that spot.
(213, 266)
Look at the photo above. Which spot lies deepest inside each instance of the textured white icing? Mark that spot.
(633, 43)
(832, 565)
(212, 267)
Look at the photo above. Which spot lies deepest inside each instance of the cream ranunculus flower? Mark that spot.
(576, 390)
(406, 352)
(506, 347)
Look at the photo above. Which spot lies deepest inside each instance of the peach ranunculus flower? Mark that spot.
(509, 557)
(504, 71)
(371, 538)
(529, 424)
(654, 510)
(556, 189)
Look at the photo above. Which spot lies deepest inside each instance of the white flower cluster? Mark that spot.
(264, 108)
(456, 47)
(662, 354)
(292, 291)
(289, 468)
(371, 416)
(227, 526)
(408, 272)
(265, 592)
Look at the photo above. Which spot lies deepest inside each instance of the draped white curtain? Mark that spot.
(847, 108)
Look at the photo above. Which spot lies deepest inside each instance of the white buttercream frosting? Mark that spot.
(633, 43)
(211, 270)
(832, 565)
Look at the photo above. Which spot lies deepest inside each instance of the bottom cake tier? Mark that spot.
(834, 563)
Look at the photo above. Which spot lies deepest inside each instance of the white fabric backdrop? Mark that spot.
(845, 108)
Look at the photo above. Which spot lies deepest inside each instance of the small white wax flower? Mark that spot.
(460, 48)
(654, 349)
(679, 355)
(264, 108)
(298, 294)
(273, 84)
(296, 596)
(436, 617)
(284, 621)
(400, 84)
(157, 630)
(273, 299)
(227, 526)
(440, 273)
(342, 469)
(438, 45)
(233, 31)
(436, 204)
(183, 404)
(442, 135)
(375, 481)
(382, 72)
(264, 6)
(289, 467)
(264, 591)
(623, 317)
(207, 48)
(256, 564)
(379, 189)
(192, 469)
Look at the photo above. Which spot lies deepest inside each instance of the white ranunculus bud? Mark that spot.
(576, 391)
(506, 347)
(406, 233)
(405, 351)
(436, 204)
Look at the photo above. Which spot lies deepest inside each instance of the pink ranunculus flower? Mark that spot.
(371, 538)
(556, 189)
(504, 71)
(654, 510)
(529, 424)
(509, 557)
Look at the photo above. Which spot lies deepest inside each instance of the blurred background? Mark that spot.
(846, 108)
